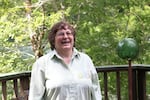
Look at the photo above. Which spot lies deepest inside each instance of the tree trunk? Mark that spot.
(35, 37)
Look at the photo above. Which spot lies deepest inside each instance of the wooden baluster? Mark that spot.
(142, 85)
(135, 84)
(118, 85)
(105, 86)
(4, 90)
(16, 88)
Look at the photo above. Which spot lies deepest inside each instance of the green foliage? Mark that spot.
(100, 25)
(12, 38)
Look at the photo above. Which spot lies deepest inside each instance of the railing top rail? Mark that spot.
(122, 67)
(10, 76)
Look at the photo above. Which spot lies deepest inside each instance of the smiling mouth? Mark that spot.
(65, 42)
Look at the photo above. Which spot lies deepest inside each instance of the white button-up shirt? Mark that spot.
(52, 79)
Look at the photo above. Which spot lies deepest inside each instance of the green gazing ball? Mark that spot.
(128, 49)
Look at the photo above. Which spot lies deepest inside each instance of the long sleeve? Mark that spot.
(37, 84)
(96, 95)
(96, 86)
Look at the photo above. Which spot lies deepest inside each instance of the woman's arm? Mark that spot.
(37, 82)
(96, 94)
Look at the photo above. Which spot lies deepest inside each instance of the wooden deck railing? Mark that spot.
(20, 85)
(20, 82)
(139, 74)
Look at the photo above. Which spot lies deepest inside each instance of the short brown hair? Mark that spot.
(58, 26)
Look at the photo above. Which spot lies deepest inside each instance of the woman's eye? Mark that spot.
(63, 33)
(60, 34)
(68, 33)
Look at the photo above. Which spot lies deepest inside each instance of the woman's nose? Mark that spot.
(65, 35)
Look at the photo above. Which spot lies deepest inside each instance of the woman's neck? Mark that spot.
(66, 55)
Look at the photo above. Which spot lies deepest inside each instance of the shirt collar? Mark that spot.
(54, 53)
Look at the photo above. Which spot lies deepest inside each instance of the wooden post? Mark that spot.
(24, 86)
(130, 80)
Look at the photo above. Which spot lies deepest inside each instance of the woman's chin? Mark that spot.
(67, 47)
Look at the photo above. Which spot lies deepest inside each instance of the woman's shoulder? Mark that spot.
(43, 58)
(84, 55)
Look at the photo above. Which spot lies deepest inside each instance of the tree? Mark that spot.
(100, 25)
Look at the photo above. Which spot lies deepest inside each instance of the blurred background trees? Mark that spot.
(100, 25)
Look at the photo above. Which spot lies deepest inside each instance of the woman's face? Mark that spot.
(64, 39)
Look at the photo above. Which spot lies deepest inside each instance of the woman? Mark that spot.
(64, 73)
